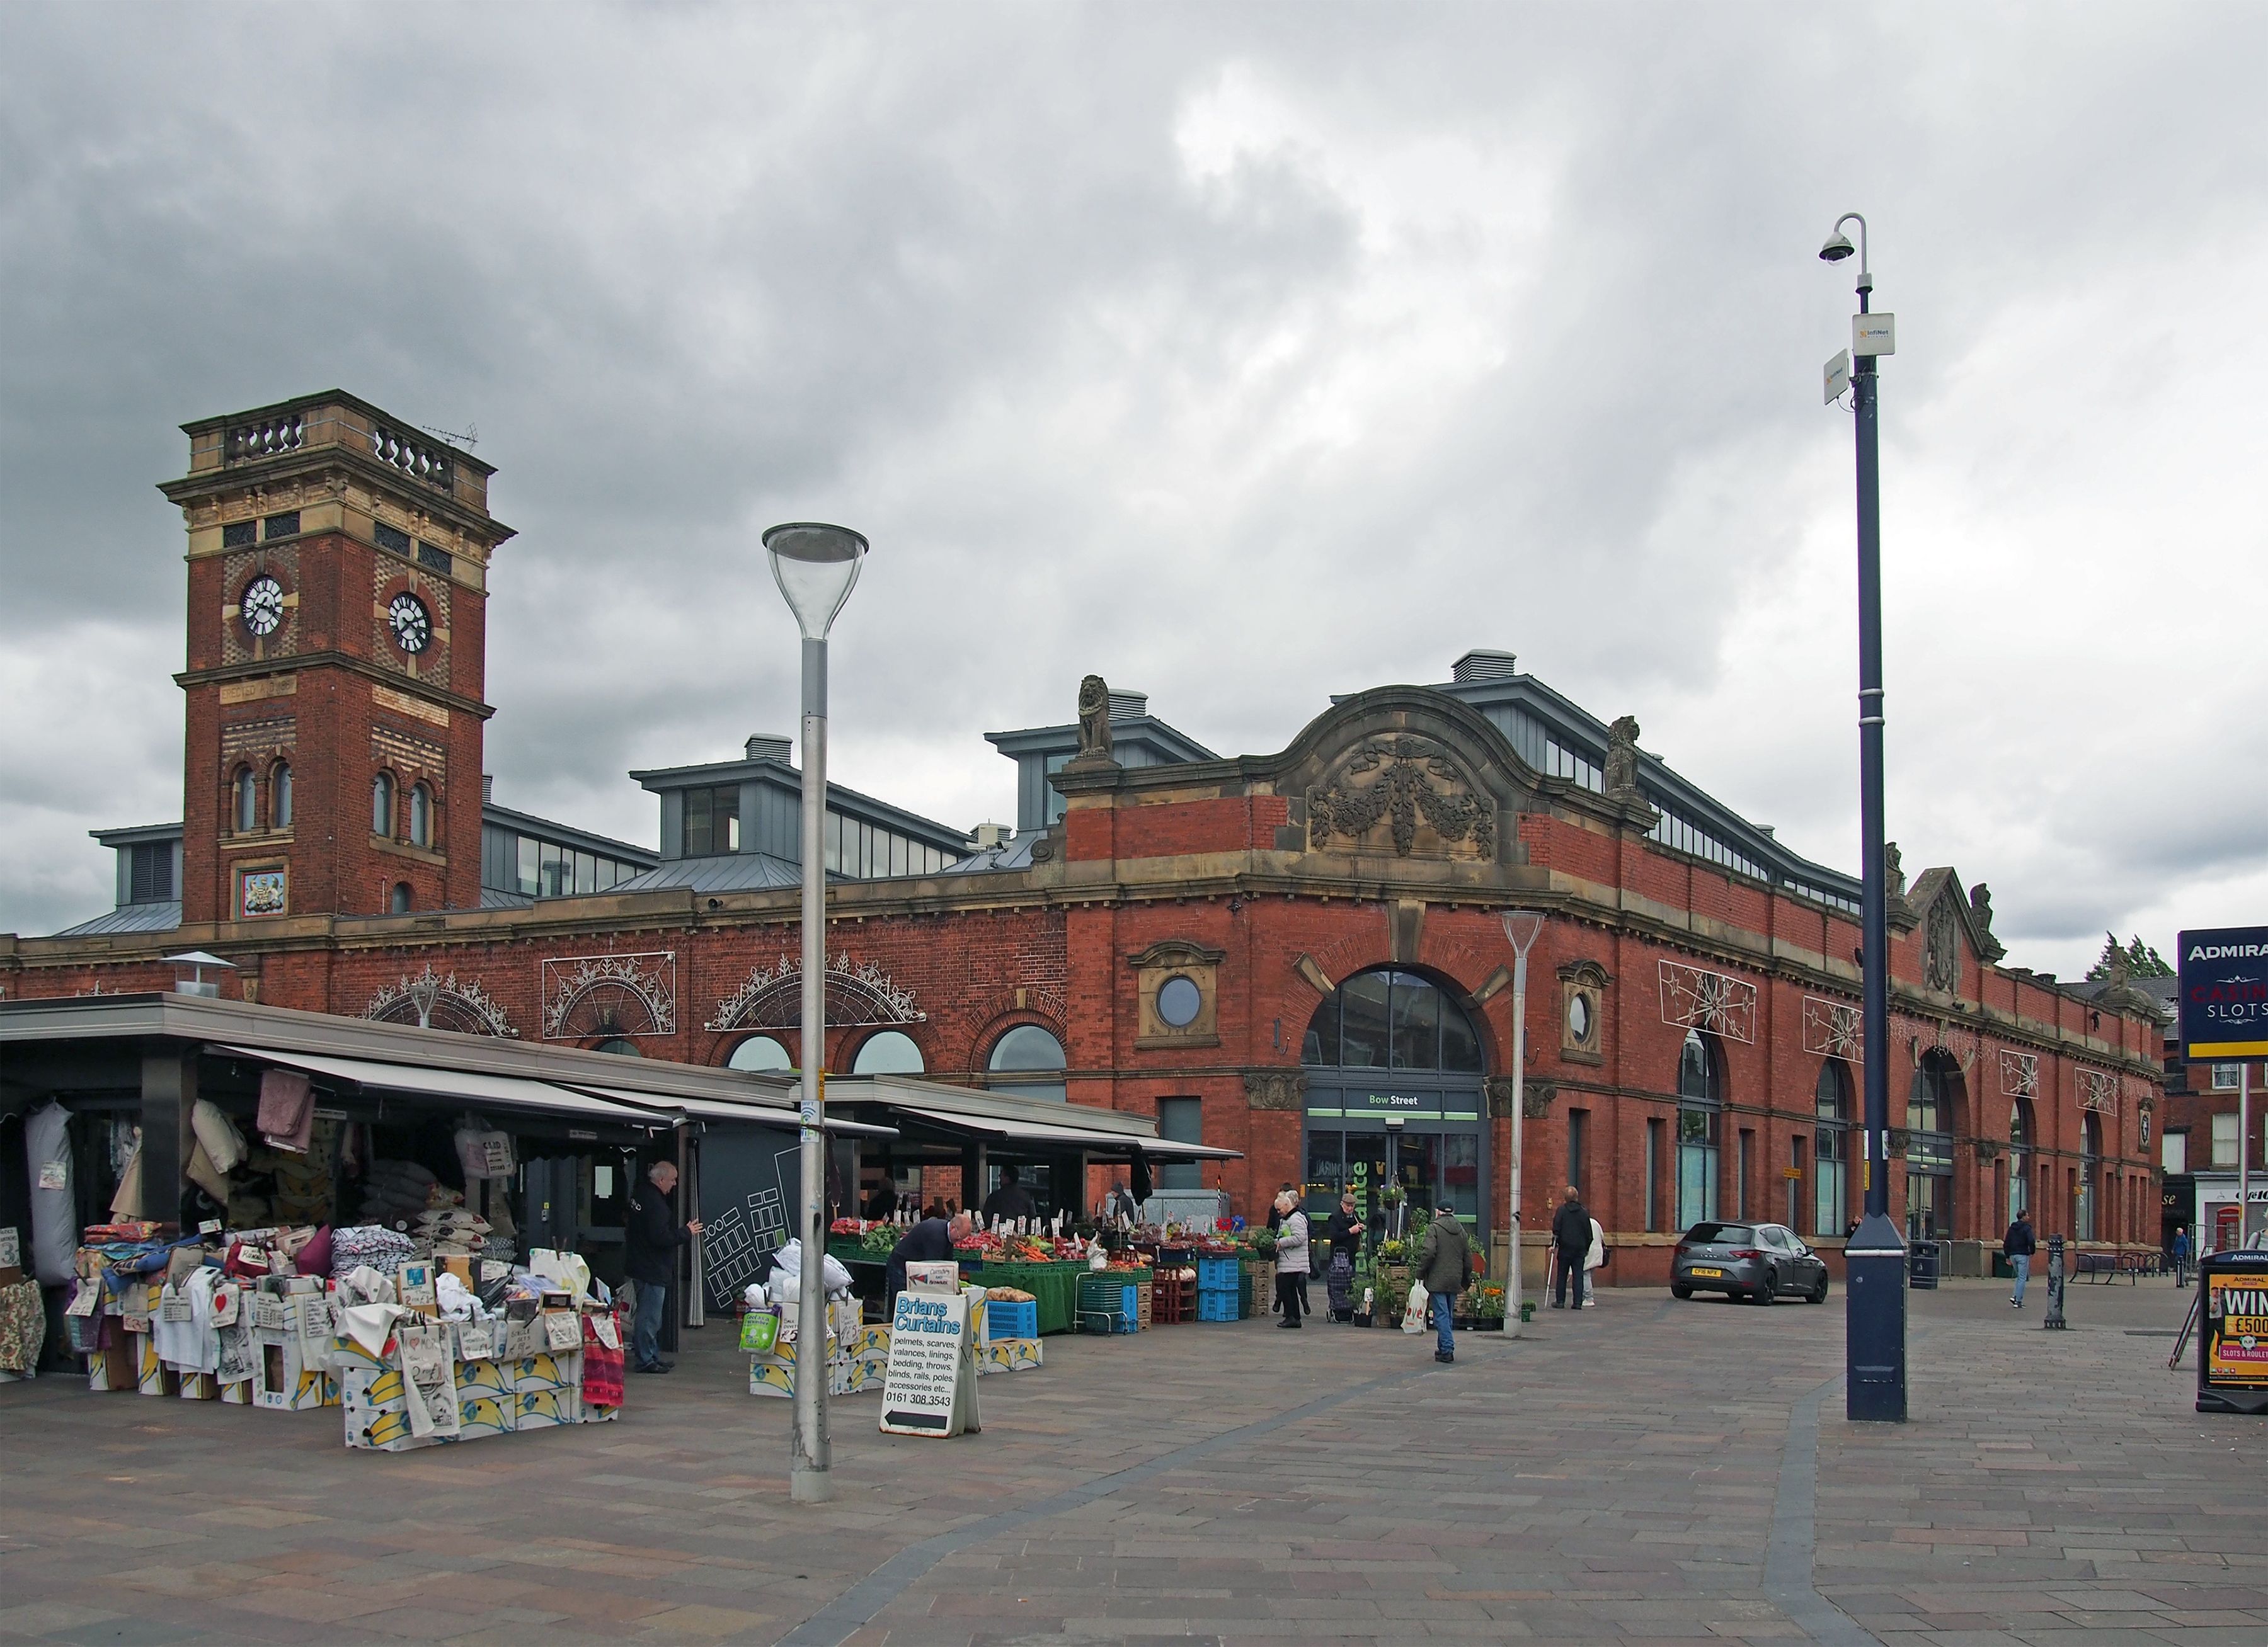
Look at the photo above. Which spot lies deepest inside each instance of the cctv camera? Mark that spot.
(1838, 246)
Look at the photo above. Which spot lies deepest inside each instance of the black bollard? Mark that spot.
(2055, 1283)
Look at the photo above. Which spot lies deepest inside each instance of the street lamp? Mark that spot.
(1522, 928)
(1874, 1259)
(815, 566)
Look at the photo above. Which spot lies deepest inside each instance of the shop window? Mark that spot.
(887, 1052)
(381, 805)
(421, 815)
(760, 1052)
(1183, 1121)
(400, 901)
(279, 795)
(1030, 1061)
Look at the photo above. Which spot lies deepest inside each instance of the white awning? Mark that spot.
(715, 1109)
(1039, 1132)
(464, 1086)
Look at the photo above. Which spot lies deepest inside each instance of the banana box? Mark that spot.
(236, 1395)
(769, 1375)
(112, 1371)
(347, 1353)
(846, 1375)
(547, 1374)
(373, 1390)
(542, 1410)
(151, 1376)
(200, 1387)
(385, 1431)
(283, 1381)
(871, 1340)
(486, 1414)
(1008, 1355)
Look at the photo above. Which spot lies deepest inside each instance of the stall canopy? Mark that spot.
(468, 1086)
(1052, 1136)
(715, 1109)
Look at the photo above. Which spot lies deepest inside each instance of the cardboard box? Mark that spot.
(543, 1409)
(112, 1372)
(200, 1387)
(385, 1431)
(151, 1376)
(480, 1416)
(546, 1374)
(284, 1379)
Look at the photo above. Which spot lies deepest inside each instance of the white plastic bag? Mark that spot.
(788, 1261)
(1413, 1318)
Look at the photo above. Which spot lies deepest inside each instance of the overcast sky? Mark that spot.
(1241, 355)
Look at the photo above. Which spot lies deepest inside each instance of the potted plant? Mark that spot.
(1488, 1308)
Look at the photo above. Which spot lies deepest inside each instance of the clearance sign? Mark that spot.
(2224, 991)
(2236, 1328)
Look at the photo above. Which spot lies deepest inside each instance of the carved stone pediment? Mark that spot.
(1535, 1098)
(1275, 1089)
(1176, 952)
(1406, 793)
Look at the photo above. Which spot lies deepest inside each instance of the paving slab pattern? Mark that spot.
(1621, 1474)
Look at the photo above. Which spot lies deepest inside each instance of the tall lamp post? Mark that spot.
(815, 566)
(1874, 1259)
(1520, 929)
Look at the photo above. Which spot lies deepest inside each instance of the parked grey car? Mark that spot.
(1757, 1261)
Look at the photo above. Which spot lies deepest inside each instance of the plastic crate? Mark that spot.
(1217, 1275)
(1219, 1306)
(1005, 1321)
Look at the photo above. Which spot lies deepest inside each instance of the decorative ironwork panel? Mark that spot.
(2098, 1090)
(2019, 1075)
(1833, 1029)
(431, 1002)
(1715, 1001)
(586, 995)
(857, 993)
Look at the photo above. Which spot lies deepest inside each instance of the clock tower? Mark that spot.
(338, 586)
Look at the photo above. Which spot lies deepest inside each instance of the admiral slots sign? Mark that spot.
(2224, 992)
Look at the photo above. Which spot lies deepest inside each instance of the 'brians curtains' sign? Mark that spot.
(2224, 992)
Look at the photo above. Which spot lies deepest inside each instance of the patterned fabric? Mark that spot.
(23, 1328)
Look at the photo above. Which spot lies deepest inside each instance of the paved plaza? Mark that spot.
(1647, 1471)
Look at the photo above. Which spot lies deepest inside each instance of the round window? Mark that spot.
(1578, 1018)
(1179, 1001)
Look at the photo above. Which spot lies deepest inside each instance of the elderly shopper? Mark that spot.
(1290, 1258)
(649, 1258)
(1444, 1269)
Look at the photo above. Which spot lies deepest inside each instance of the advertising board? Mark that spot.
(2224, 992)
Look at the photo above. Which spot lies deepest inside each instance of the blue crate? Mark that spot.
(1004, 1320)
(1217, 1275)
(1218, 1306)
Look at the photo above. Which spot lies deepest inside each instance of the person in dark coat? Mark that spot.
(1344, 1234)
(1012, 1200)
(1444, 1269)
(883, 1202)
(1570, 1245)
(2017, 1247)
(651, 1241)
(931, 1241)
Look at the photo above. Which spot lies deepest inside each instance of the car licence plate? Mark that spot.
(1715, 1275)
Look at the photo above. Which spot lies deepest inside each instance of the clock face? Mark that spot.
(412, 624)
(261, 605)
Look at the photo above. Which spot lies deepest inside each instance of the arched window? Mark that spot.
(1700, 1128)
(619, 1046)
(1392, 1021)
(381, 805)
(279, 795)
(2020, 1157)
(1933, 1103)
(2090, 1170)
(892, 1052)
(421, 815)
(759, 1052)
(1831, 1191)
(402, 899)
(247, 802)
(1028, 1061)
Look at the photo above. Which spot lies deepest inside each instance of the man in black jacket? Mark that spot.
(2017, 1247)
(931, 1241)
(651, 1243)
(1570, 1245)
(1012, 1200)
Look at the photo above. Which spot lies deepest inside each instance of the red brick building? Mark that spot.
(1296, 955)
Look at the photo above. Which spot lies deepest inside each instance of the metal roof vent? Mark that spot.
(1129, 706)
(1482, 665)
(770, 746)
